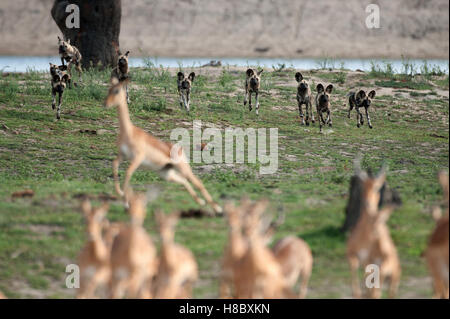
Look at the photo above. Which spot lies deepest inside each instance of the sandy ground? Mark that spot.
(250, 28)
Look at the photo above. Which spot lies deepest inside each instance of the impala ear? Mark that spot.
(320, 88)
(372, 94)
(298, 76)
(329, 89)
(250, 72)
(114, 80)
(86, 207)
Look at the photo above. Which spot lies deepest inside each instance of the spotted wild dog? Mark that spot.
(184, 88)
(361, 99)
(60, 79)
(146, 150)
(370, 242)
(323, 104)
(436, 254)
(69, 54)
(121, 70)
(252, 85)
(304, 97)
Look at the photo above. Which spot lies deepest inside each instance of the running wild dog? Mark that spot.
(178, 269)
(69, 54)
(184, 88)
(121, 70)
(370, 241)
(144, 149)
(252, 85)
(323, 104)
(60, 79)
(93, 259)
(304, 97)
(133, 254)
(361, 99)
(436, 253)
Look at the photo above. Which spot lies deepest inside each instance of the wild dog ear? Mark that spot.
(66, 77)
(59, 39)
(68, 41)
(250, 72)
(126, 54)
(192, 76)
(298, 76)
(329, 89)
(180, 76)
(372, 94)
(361, 94)
(320, 88)
(259, 72)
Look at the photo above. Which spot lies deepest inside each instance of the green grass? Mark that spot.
(40, 236)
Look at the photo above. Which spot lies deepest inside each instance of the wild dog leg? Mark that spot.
(368, 118)
(54, 99)
(250, 101)
(181, 100)
(128, 97)
(330, 123)
(350, 103)
(188, 100)
(58, 111)
(313, 120)
(359, 120)
(245, 97)
(300, 110)
(257, 103)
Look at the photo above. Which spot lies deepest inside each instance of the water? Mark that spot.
(40, 63)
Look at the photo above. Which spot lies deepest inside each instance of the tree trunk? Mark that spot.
(98, 35)
(354, 204)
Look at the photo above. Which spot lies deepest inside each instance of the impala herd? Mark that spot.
(122, 260)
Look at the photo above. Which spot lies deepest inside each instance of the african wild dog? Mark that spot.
(304, 97)
(60, 79)
(121, 70)
(252, 85)
(323, 104)
(69, 54)
(184, 88)
(361, 99)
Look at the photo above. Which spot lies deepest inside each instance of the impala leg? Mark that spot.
(304, 284)
(354, 265)
(137, 161)
(395, 281)
(199, 185)
(173, 176)
(116, 164)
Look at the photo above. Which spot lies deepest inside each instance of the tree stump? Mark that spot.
(98, 35)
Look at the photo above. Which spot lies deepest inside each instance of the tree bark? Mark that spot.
(98, 35)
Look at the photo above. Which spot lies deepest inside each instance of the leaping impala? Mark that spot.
(142, 148)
